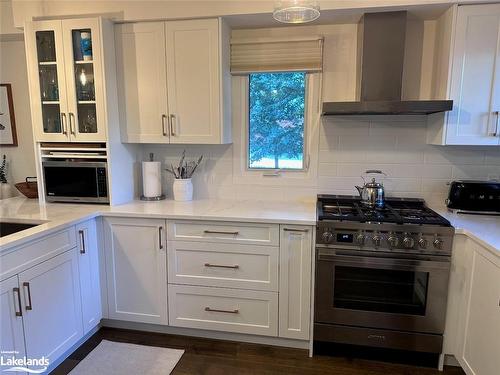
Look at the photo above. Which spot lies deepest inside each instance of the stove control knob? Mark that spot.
(408, 242)
(438, 243)
(393, 240)
(376, 239)
(327, 237)
(360, 239)
(422, 243)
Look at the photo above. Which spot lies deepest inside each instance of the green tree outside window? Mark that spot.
(276, 120)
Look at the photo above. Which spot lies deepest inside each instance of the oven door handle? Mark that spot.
(421, 264)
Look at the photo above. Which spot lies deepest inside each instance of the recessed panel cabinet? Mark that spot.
(173, 81)
(136, 269)
(474, 84)
(66, 77)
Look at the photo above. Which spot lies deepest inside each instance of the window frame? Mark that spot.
(306, 157)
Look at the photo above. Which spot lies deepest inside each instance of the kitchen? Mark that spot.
(406, 91)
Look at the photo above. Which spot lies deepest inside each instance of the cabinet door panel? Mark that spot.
(193, 76)
(84, 79)
(52, 290)
(136, 263)
(88, 264)
(11, 322)
(142, 82)
(476, 44)
(295, 282)
(47, 79)
(482, 330)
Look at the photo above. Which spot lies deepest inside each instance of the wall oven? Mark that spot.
(392, 300)
(72, 180)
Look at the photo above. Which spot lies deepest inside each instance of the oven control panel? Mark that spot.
(412, 239)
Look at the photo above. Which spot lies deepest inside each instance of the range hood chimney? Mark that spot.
(389, 61)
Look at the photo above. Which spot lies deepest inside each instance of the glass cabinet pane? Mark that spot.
(49, 84)
(84, 80)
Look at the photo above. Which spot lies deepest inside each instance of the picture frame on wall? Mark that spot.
(8, 135)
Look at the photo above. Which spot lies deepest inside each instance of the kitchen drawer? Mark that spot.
(216, 231)
(229, 310)
(21, 257)
(223, 265)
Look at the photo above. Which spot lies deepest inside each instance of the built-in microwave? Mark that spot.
(75, 181)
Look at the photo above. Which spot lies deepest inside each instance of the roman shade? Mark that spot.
(276, 55)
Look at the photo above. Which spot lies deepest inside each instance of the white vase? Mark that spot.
(5, 191)
(183, 190)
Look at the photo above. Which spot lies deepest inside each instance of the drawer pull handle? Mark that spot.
(222, 266)
(82, 241)
(236, 311)
(29, 306)
(16, 290)
(295, 230)
(220, 232)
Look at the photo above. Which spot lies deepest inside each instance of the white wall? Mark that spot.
(13, 70)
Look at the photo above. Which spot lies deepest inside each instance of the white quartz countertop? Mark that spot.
(484, 229)
(55, 216)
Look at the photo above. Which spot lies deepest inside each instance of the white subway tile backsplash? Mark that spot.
(348, 146)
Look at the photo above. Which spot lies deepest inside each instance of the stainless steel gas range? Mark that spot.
(381, 274)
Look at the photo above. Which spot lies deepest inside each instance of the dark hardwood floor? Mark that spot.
(213, 357)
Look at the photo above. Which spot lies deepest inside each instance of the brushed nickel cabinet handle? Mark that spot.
(164, 131)
(221, 266)
(82, 241)
(295, 230)
(172, 118)
(29, 306)
(64, 127)
(71, 128)
(236, 311)
(160, 237)
(16, 290)
(496, 133)
(235, 233)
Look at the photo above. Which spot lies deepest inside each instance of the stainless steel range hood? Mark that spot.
(389, 67)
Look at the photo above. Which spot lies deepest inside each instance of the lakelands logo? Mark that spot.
(9, 363)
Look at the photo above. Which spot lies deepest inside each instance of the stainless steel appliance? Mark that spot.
(381, 274)
(79, 180)
(372, 193)
(474, 197)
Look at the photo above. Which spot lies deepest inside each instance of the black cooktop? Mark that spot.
(395, 210)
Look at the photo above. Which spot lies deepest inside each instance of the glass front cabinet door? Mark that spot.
(66, 80)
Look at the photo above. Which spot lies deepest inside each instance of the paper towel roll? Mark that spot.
(151, 179)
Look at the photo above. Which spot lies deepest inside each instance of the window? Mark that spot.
(276, 120)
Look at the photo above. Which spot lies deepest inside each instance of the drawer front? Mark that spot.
(223, 265)
(24, 256)
(229, 310)
(214, 231)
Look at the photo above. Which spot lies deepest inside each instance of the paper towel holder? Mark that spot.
(152, 199)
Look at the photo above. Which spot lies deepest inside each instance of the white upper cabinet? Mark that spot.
(173, 81)
(474, 84)
(65, 67)
(142, 82)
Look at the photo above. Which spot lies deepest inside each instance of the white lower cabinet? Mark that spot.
(481, 347)
(136, 269)
(11, 321)
(221, 309)
(52, 311)
(88, 265)
(295, 282)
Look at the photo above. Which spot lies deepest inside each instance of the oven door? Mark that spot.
(69, 181)
(385, 291)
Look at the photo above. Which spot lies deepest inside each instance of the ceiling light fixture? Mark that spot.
(296, 11)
